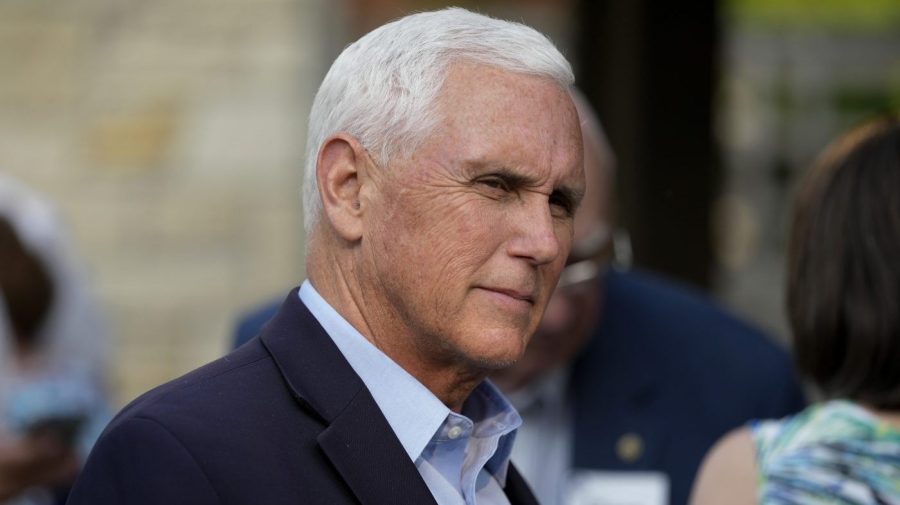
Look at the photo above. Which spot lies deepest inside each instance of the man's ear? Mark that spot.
(340, 170)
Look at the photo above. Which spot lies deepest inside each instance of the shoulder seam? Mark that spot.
(176, 386)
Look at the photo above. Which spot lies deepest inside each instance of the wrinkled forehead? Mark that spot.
(464, 78)
(531, 119)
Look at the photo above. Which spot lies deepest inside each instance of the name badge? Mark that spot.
(597, 487)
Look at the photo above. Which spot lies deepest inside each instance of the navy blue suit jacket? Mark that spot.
(669, 367)
(282, 420)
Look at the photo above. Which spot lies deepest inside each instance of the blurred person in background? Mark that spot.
(630, 378)
(843, 301)
(52, 353)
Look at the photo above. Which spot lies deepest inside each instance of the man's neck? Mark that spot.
(445, 380)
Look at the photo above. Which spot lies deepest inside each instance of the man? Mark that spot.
(444, 168)
(630, 379)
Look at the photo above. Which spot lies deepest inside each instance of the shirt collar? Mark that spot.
(494, 415)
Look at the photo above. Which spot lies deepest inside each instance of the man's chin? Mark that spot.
(486, 351)
(497, 358)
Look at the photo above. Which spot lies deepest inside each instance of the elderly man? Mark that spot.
(630, 378)
(444, 168)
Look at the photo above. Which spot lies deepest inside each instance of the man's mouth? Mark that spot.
(521, 295)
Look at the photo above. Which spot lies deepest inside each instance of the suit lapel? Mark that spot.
(364, 449)
(357, 439)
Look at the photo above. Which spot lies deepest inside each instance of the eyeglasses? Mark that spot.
(590, 256)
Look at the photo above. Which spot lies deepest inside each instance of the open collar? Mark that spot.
(357, 439)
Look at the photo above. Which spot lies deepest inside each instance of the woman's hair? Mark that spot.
(382, 88)
(843, 292)
(26, 289)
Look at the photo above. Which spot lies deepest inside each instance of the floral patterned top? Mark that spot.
(834, 452)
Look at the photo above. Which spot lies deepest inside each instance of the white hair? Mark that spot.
(382, 88)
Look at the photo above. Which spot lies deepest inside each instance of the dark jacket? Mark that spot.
(282, 420)
(668, 367)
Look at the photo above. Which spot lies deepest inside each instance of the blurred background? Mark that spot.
(170, 135)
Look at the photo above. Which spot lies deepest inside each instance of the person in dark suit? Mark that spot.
(663, 372)
(444, 169)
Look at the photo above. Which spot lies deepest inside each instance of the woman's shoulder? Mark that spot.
(728, 472)
(835, 421)
(835, 448)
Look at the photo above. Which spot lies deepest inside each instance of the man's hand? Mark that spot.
(34, 461)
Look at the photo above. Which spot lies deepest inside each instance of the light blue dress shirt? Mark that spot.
(463, 458)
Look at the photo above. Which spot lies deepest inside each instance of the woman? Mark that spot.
(844, 309)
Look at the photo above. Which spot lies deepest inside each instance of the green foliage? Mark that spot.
(831, 15)
(855, 104)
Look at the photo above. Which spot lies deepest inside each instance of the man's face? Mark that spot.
(466, 238)
(573, 310)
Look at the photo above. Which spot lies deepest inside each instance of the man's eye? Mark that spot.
(494, 183)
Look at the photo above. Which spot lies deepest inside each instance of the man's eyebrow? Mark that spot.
(516, 179)
(511, 177)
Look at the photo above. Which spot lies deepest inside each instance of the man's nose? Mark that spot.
(536, 234)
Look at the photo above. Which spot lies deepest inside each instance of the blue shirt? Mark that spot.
(463, 458)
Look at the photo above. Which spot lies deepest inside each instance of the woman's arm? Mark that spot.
(728, 473)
